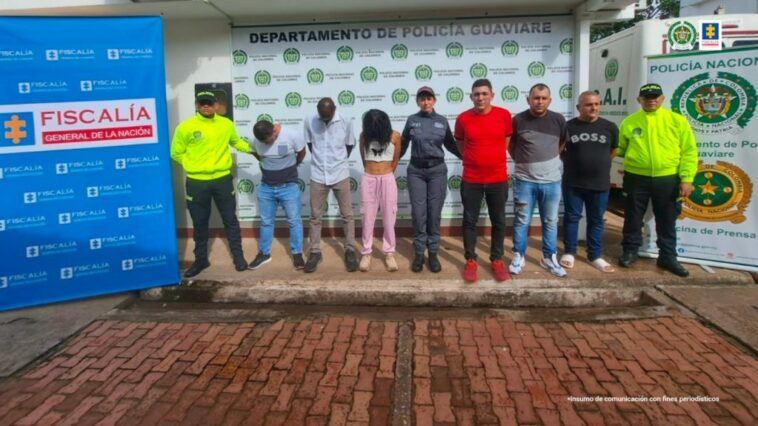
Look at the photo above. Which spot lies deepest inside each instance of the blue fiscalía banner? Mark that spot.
(85, 171)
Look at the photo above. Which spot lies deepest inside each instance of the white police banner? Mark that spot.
(281, 72)
(84, 167)
(716, 92)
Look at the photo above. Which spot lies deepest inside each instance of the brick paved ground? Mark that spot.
(341, 370)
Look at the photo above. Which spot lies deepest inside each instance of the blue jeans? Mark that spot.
(547, 196)
(269, 198)
(595, 202)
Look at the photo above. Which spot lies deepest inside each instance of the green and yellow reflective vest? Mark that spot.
(201, 146)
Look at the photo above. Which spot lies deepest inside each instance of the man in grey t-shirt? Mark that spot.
(538, 139)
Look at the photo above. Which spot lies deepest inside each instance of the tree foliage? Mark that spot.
(668, 9)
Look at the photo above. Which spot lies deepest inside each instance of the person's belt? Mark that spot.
(426, 164)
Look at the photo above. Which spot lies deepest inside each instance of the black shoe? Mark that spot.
(434, 263)
(351, 262)
(260, 260)
(297, 261)
(628, 258)
(418, 262)
(313, 260)
(673, 266)
(196, 268)
(240, 264)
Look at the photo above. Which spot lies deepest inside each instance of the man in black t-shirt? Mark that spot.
(586, 179)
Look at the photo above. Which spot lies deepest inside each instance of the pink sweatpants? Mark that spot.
(378, 192)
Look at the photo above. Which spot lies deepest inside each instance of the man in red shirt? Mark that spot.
(482, 134)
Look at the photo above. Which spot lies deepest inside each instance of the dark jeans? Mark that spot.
(595, 202)
(496, 195)
(663, 192)
(199, 196)
(427, 188)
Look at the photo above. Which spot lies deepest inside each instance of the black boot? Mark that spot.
(240, 264)
(434, 262)
(196, 268)
(351, 262)
(418, 262)
(672, 265)
(313, 260)
(628, 258)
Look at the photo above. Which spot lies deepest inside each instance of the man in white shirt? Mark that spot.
(330, 140)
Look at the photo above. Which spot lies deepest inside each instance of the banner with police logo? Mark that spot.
(716, 92)
(84, 167)
(281, 72)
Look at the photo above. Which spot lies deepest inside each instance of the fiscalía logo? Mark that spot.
(566, 91)
(682, 36)
(24, 88)
(301, 185)
(262, 78)
(70, 272)
(291, 56)
(400, 96)
(239, 57)
(454, 182)
(293, 100)
(402, 183)
(423, 73)
(455, 95)
(722, 193)
(399, 52)
(536, 69)
(346, 97)
(16, 54)
(241, 101)
(509, 93)
(18, 129)
(344, 54)
(49, 249)
(353, 184)
(369, 74)
(264, 117)
(478, 70)
(721, 104)
(245, 186)
(567, 46)
(112, 241)
(611, 69)
(315, 76)
(509, 48)
(454, 50)
(23, 222)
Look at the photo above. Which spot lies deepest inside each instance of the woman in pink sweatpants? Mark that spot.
(380, 153)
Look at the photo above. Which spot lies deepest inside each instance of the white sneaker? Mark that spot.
(365, 264)
(391, 263)
(552, 265)
(516, 264)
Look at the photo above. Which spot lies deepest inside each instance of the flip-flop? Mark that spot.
(567, 261)
(601, 265)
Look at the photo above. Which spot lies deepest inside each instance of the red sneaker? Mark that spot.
(469, 271)
(499, 271)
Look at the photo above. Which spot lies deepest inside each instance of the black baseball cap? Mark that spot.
(205, 97)
(651, 90)
(425, 90)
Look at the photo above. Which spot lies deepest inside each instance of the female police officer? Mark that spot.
(427, 175)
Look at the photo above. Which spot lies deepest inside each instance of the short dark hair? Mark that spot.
(481, 82)
(263, 130)
(377, 127)
(327, 103)
(539, 86)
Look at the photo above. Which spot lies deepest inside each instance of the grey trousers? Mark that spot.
(319, 194)
(427, 189)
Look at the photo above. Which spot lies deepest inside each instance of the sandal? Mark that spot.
(567, 261)
(601, 265)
